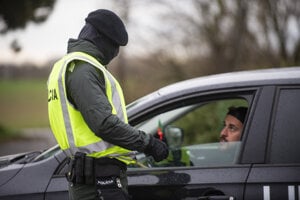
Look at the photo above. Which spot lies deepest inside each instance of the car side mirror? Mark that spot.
(174, 136)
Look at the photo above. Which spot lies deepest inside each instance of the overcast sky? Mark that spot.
(48, 40)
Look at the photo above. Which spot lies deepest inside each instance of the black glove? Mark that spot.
(157, 149)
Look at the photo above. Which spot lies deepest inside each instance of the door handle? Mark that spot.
(218, 197)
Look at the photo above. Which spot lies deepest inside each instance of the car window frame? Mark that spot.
(277, 91)
(249, 94)
(258, 126)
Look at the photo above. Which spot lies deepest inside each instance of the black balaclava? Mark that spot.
(106, 31)
(108, 49)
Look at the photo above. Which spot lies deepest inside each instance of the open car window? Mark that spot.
(195, 131)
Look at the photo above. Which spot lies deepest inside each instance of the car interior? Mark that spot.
(192, 134)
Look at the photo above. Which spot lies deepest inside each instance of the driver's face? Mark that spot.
(232, 129)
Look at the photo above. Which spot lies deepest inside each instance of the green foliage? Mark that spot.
(16, 14)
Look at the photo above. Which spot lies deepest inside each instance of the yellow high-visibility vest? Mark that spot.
(67, 124)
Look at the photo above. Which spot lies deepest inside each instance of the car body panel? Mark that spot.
(9, 172)
(185, 183)
(57, 189)
(23, 182)
(275, 182)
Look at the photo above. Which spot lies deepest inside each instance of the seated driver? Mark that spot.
(233, 124)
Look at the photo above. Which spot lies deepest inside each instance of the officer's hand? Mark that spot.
(157, 149)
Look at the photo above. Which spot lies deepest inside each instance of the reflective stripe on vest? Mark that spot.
(115, 97)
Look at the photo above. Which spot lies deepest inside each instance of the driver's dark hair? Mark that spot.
(238, 112)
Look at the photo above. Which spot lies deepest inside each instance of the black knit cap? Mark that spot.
(109, 24)
(238, 112)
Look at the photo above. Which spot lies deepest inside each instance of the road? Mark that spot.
(32, 140)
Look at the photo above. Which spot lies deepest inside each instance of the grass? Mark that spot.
(7, 134)
(23, 104)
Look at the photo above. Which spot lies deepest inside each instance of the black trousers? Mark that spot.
(91, 192)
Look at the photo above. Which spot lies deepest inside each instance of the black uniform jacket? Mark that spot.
(86, 91)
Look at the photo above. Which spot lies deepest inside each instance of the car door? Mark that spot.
(209, 175)
(278, 175)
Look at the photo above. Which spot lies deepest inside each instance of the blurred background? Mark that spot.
(169, 41)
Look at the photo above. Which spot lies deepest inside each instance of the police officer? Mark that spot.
(88, 116)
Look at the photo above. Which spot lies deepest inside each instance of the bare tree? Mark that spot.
(279, 20)
(233, 34)
(123, 8)
(16, 14)
(199, 37)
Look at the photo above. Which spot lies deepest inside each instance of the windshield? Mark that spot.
(47, 153)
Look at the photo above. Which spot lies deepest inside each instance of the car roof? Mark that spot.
(273, 76)
(241, 78)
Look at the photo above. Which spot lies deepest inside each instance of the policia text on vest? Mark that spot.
(52, 95)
